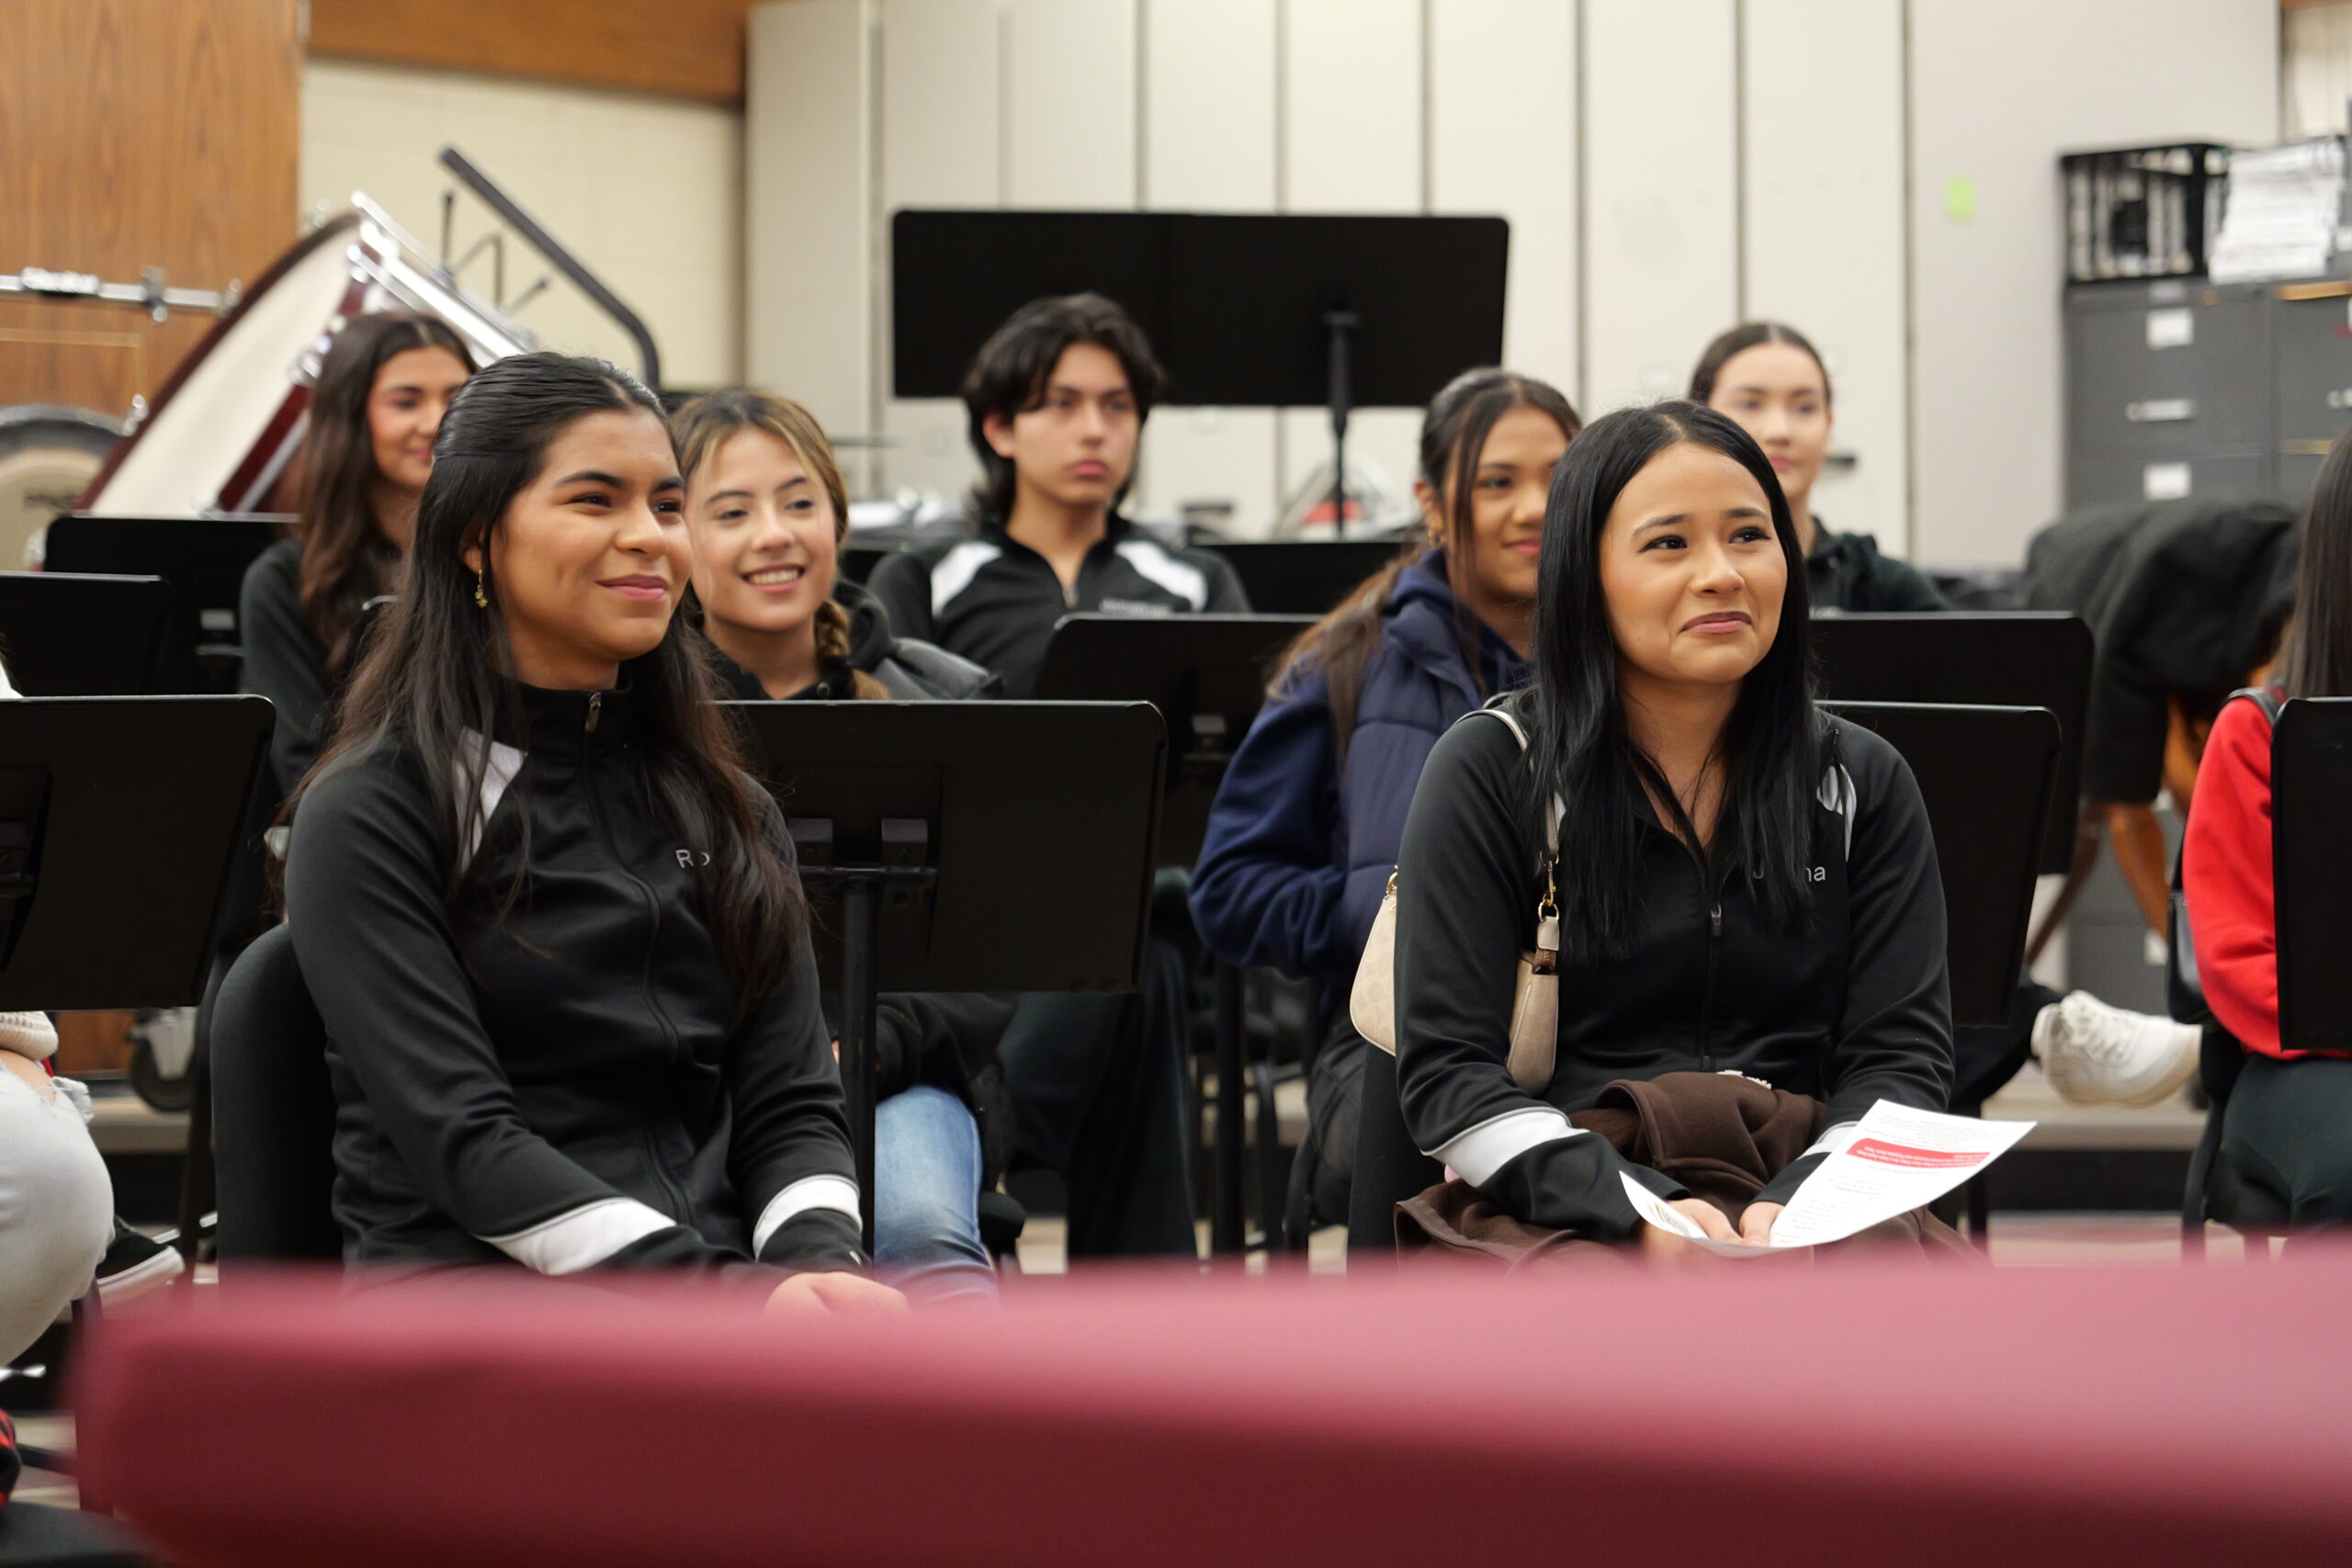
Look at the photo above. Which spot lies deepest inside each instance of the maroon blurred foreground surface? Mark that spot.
(1914, 1418)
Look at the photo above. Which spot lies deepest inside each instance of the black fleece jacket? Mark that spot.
(566, 1085)
(1850, 1009)
(282, 660)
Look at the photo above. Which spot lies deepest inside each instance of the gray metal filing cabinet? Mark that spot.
(2185, 389)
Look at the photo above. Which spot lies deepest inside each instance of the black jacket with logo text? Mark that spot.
(567, 1084)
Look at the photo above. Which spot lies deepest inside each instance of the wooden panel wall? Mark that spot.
(689, 48)
(138, 133)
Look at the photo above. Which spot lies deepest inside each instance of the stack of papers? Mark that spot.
(2282, 216)
(1899, 1160)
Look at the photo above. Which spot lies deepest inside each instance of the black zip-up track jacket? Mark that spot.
(566, 1085)
(1851, 1008)
(995, 601)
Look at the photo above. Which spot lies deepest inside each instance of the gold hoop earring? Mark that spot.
(482, 595)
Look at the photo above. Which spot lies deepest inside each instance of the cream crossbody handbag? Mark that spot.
(1535, 1000)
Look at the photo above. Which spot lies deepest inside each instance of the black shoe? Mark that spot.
(135, 1265)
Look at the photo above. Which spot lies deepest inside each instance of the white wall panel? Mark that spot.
(1069, 108)
(941, 147)
(1208, 146)
(1351, 88)
(809, 238)
(1998, 89)
(1503, 86)
(1826, 229)
(1661, 169)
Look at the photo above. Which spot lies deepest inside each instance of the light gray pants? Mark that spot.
(56, 1210)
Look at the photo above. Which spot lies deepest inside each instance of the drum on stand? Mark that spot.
(219, 436)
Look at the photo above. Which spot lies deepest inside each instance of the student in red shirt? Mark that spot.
(2290, 1118)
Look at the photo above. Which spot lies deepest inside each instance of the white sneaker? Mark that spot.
(2098, 1054)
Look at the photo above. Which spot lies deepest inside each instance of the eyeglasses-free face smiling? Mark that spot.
(1692, 572)
(763, 535)
(588, 562)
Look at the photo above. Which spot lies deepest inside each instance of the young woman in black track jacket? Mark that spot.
(552, 927)
(1744, 883)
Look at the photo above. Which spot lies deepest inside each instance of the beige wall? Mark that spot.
(646, 190)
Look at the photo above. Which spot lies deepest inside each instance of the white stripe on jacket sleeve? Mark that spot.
(583, 1237)
(1477, 1154)
(1834, 1140)
(809, 1192)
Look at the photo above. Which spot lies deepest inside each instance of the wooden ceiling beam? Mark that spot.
(680, 48)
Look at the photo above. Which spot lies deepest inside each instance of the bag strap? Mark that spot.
(1547, 912)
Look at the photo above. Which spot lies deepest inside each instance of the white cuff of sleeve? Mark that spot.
(582, 1238)
(1493, 1143)
(836, 1192)
(1834, 1140)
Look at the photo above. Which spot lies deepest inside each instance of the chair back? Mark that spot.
(273, 1110)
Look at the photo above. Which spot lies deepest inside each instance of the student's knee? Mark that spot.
(56, 1211)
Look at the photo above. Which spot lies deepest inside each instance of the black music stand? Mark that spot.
(936, 841)
(1985, 773)
(1297, 311)
(204, 560)
(2311, 855)
(1206, 674)
(67, 634)
(119, 820)
(2022, 659)
(1293, 577)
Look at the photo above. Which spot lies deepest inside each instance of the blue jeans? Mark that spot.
(926, 1210)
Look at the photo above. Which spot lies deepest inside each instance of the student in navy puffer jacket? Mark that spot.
(1305, 827)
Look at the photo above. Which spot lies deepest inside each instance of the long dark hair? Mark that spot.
(1579, 750)
(1739, 340)
(441, 676)
(346, 559)
(1008, 376)
(2318, 660)
(1454, 442)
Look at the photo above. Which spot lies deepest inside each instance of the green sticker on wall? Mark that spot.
(1960, 199)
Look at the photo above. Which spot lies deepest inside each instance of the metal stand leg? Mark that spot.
(861, 1062)
(1232, 1109)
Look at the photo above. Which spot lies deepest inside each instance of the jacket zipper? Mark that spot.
(1707, 997)
(652, 934)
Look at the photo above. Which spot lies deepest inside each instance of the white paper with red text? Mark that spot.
(1898, 1160)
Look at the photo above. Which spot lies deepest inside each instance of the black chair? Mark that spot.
(273, 1110)
(2219, 1189)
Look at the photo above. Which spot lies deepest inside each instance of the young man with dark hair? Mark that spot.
(1057, 399)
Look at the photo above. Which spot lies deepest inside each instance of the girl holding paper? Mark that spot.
(1748, 885)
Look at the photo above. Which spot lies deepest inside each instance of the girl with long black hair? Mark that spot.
(2288, 1123)
(1304, 829)
(383, 387)
(551, 925)
(1742, 883)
